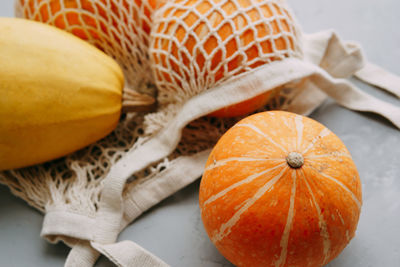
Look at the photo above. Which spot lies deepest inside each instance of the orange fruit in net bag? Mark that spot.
(198, 45)
(118, 27)
(89, 19)
(246, 106)
(280, 189)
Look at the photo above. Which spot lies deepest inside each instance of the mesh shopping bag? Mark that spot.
(203, 57)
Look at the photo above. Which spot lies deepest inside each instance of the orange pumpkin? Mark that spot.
(280, 189)
(200, 44)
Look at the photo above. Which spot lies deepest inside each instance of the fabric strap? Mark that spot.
(180, 173)
(380, 77)
(353, 98)
(128, 254)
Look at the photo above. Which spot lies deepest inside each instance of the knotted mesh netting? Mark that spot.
(198, 45)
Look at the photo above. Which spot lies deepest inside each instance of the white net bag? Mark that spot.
(205, 57)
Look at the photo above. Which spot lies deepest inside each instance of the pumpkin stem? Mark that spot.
(132, 101)
(295, 160)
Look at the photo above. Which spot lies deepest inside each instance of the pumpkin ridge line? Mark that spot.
(340, 216)
(342, 185)
(289, 223)
(340, 154)
(298, 120)
(225, 228)
(223, 162)
(246, 180)
(321, 222)
(257, 130)
(325, 132)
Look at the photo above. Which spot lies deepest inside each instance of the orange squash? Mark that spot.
(200, 44)
(280, 189)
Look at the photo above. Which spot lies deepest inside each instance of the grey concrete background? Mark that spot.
(173, 229)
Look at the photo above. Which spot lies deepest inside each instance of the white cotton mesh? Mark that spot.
(197, 45)
(118, 27)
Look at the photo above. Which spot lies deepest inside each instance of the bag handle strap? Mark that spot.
(379, 77)
(349, 96)
(122, 254)
(335, 60)
(181, 172)
(128, 254)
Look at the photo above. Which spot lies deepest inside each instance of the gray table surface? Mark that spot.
(173, 229)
